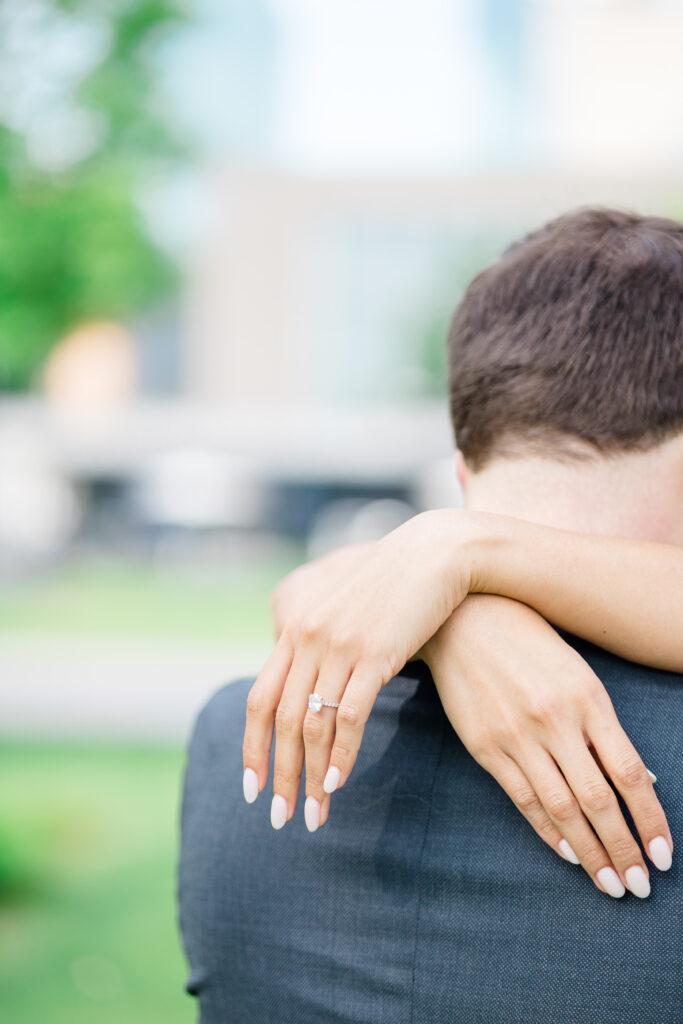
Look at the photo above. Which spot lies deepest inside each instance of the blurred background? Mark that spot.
(232, 233)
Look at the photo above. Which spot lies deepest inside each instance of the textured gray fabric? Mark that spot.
(426, 898)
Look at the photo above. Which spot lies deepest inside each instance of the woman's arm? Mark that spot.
(515, 692)
(358, 637)
(623, 595)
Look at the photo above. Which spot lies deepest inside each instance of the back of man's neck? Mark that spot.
(637, 495)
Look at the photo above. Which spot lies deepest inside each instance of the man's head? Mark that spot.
(569, 349)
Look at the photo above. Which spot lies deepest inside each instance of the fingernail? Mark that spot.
(653, 777)
(331, 779)
(611, 882)
(250, 785)
(311, 813)
(278, 811)
(568, 852)
(638, 882)
(660, 852)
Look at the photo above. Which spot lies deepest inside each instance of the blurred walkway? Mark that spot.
(110, 687)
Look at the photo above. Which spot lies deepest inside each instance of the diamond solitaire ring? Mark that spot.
(316, 702)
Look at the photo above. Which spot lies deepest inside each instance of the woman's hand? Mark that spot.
(533, 714)
(346, 648)
(309, 585)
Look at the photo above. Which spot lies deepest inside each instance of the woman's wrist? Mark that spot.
(466, 633)
(476, 544)
(500, 555)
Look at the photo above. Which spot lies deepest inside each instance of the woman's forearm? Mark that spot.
(624, 595)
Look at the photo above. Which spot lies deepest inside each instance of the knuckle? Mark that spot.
(526, 799)
(257, 703)
(600, 710)
(581, 680)
(547, 830)
(312, 627)
(485, 757)
(348, 715)
(541, 709)
(630, 772)
(506, 736)
(592, 858)
(651, 821)
(593, 691)
(624, 848)
(377, 663)
(386, 666)
(561, 805)
(290, 634)
(285, 719)
(342, 753)
(597, 796)
(314, 729)
(282, 779)
(340, 640)
(251, 754)
(314, 780)
(481, 746)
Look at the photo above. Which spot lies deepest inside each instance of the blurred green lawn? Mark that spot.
(136, 599)
(88, 833)
(87, 861)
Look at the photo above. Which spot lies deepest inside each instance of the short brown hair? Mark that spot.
(574, 335)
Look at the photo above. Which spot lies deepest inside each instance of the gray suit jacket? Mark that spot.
(426, 897)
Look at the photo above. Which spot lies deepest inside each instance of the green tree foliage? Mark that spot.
(73, 242)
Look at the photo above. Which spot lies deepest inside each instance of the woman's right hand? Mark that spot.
(534, 714)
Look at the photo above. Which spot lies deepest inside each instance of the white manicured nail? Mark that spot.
(660, 852)
(311, 813)
(653, 777)
(568, 852)
(637, 881)
(250, 785)
(331, 779)
(278, 811)
(611, 882)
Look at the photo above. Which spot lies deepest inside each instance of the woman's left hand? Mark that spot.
(535, 716)
(346, 649)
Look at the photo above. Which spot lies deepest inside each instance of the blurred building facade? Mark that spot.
(398, 151)
(339, 290)
(358, 163)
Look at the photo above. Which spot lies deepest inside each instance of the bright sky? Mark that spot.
(372, 85)
(354, 85)
(375, 86)
(381, 85)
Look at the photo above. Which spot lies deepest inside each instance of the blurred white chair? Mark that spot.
(40, 510)
(198, 488)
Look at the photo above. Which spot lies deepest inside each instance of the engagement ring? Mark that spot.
(316, 702)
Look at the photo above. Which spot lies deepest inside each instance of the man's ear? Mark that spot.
(461, 468)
